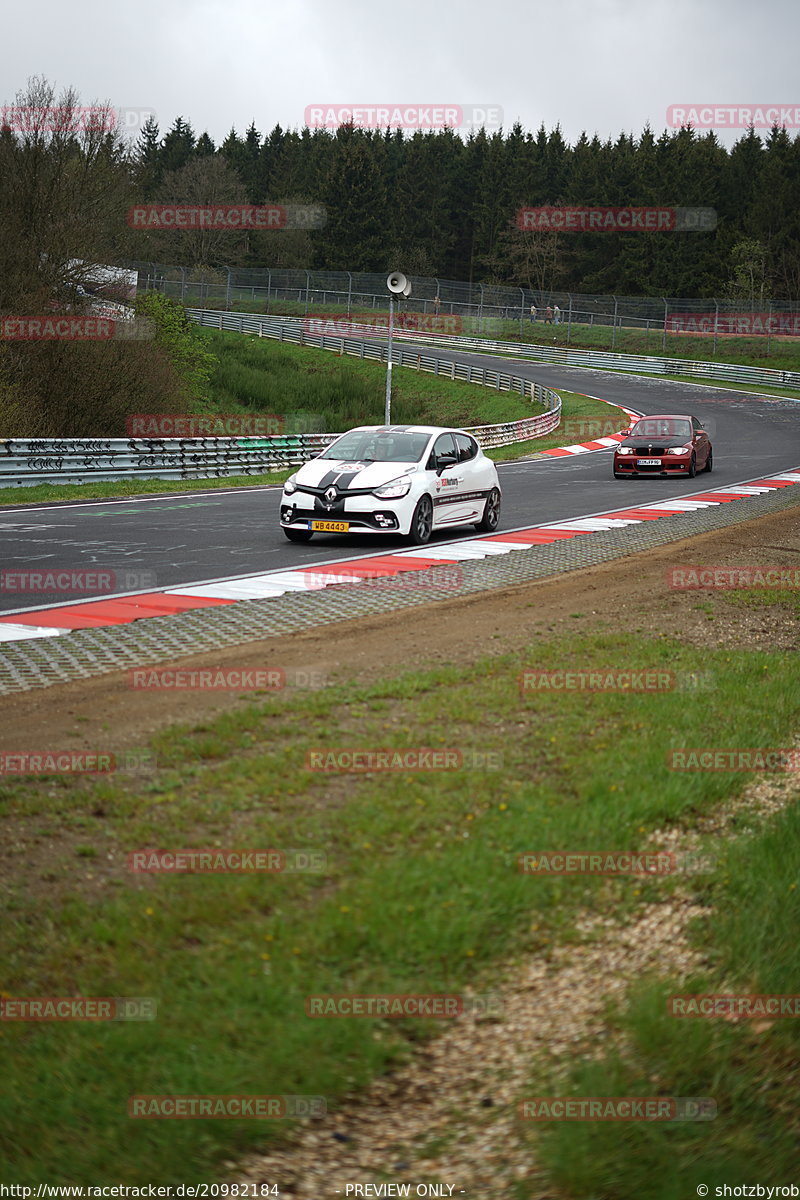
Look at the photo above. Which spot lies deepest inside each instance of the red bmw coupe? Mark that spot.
(664, 445)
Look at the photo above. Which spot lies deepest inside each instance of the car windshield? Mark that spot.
(378, 445)
(663, 427)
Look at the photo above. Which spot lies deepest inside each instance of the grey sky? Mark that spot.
(605, 66)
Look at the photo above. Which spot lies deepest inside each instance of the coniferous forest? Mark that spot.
(443, 205)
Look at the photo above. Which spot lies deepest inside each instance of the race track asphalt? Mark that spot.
(174, 539)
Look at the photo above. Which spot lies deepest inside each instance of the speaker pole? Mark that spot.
(388, 409)
(398, 285)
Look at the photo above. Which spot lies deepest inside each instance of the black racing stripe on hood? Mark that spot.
(341, 478)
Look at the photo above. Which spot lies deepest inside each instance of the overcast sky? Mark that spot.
(603, 66)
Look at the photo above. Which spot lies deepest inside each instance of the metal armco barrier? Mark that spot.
(25, 462)
(566, 356)
(637, 363)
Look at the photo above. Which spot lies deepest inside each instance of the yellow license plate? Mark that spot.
(329, 526)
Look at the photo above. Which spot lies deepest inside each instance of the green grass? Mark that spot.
(751, 1073)
(420, 894)
(780, 353)
(781, 598)
(784, 355)
(259, 375)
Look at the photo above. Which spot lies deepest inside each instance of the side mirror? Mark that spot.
(625, 432)
(445, 460)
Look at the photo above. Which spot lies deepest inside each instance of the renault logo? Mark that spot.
(330, 495)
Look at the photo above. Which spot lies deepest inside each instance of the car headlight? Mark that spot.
(394, 488)
(625, 450)
(678, 450)
(290, 484)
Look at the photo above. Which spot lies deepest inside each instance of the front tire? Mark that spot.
(710, 461)
(422, 522)
(692, 467)
(298, 535)
(491, 513)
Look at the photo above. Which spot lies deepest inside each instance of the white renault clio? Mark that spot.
(402, 479)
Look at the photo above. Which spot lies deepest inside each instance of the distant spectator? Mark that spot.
(548, 315)
(436, 303)
(533, 314)
(557, 314)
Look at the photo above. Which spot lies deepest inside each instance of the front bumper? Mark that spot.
(668, 464)
(365, 518)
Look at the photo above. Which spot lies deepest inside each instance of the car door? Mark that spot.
(700, 442)
(479, 476)
(448, 482)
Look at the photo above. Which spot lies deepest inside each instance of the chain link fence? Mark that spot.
(482, 309)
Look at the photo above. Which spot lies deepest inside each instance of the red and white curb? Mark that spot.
(121, 610)
(602, 443)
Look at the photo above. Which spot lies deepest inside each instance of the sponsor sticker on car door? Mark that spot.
(449, 486)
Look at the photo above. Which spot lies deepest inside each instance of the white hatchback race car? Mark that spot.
(402, 479)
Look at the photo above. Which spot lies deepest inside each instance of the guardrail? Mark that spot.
(639, 364)
(562, 355)
(25, 462)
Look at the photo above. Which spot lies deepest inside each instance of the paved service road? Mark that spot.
(179, 538)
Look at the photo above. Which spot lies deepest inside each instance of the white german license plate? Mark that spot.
(648, 462)
(329, 526)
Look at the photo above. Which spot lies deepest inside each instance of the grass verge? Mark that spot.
(420, 892)
(781, 353)
(749, 1068)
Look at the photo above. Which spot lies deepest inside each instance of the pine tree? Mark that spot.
(354, 238)
(148, 157)
(177, 146)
